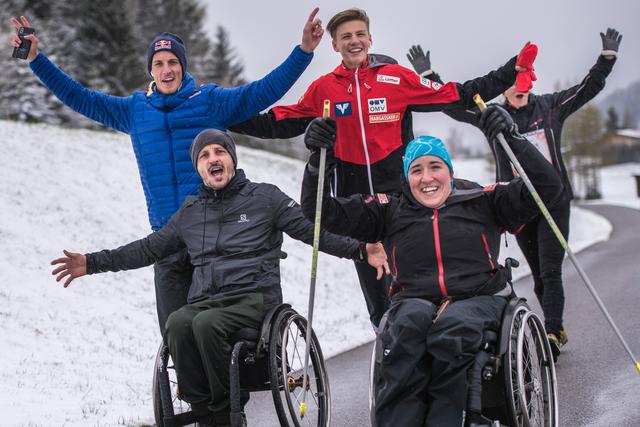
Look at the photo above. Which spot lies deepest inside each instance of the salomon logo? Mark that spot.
(342, 109)
(243, 218)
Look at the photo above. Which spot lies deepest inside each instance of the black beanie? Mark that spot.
(172, 43)
(212, 136)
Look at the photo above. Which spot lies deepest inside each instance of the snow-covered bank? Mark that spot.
(84, 355)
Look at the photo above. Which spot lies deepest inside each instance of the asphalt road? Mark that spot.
(598, 384)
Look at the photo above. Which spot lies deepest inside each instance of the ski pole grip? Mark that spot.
(479, 102)
(326, 109)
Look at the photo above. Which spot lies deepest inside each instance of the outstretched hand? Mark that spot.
(377, 258)
(15, 40)
(420, 62)
(610, 42)
(312, 32)
(74, 265)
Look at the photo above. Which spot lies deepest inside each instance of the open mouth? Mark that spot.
(519, 95)
(429, 190)
(216, 171)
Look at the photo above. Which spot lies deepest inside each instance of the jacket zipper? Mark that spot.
(436, 238)
(176, 202)
(364, 136)
(486, 248)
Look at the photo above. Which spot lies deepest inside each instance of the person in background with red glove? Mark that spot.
(540, 119)
(372, 99)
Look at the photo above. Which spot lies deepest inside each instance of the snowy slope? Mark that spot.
(84, 355)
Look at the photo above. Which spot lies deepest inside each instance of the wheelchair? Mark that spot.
(512, 382)
(271, 358)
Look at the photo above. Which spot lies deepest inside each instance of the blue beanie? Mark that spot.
(172, 43)
(425, 146)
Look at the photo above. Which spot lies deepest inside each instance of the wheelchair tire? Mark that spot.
(529, 372)
(287, 348)
(166, 402)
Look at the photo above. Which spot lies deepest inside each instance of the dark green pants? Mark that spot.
(198, 340)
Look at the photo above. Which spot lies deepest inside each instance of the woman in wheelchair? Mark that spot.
(233, 233)
(442, 237)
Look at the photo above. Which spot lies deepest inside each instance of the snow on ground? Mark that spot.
(84, 355)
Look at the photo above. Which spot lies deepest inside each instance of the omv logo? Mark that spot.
(342, 109)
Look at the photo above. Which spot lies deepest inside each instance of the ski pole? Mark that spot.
(314, 264)
(563, 242)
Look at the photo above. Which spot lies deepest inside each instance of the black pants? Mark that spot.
(172, 278)
(198, 339)
(421, 375)
(544, 254)
(374, 291)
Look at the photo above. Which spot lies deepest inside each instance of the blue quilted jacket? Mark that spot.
(162, 126)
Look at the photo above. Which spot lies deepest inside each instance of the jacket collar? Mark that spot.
(373, 61)
(169, 102)
(234, 186)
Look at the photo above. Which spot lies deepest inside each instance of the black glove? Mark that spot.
(321, 133)
(419, 61)
(610, 42)
(496, 119)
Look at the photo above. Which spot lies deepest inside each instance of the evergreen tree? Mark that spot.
(612, 121)
(105, 35)
(223, 66)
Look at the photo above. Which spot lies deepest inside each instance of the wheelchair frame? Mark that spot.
(268, 359)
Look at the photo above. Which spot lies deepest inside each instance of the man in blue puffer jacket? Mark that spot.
(164, 121)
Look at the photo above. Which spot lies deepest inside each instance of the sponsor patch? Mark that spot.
(383, 118)
(342, 109)
(377, 105)
(163, 44)
(388, 79)
(382, 198)
(430, 83)
(243, 218)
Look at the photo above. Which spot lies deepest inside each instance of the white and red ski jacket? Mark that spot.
(372, 106)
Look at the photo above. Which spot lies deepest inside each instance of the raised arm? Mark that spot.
(567, 101)
(111, 111)
(236, 105)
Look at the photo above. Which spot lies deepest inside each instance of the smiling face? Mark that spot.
(516, 99)
(430, 181)
(215, 166)
(352, 41)
(166, 72)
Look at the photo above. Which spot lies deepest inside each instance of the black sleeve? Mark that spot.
(568, 101)
(139, 253)
(266, 126)
(488, 86)
(513, 203)
(290, 219)
(348, 216)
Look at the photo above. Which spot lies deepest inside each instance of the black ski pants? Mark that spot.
(198, 339)
(544, 254)
(172, 278)
(422, 365)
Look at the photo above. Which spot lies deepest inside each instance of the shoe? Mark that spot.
(556, 342)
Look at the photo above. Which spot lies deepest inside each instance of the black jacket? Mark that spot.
(449, 251)
(541, 121)
(234, 239)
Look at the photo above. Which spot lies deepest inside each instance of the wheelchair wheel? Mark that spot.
(287, 348)
(166, 400)
(530, 376)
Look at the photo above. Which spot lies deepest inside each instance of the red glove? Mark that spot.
(525, 60)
